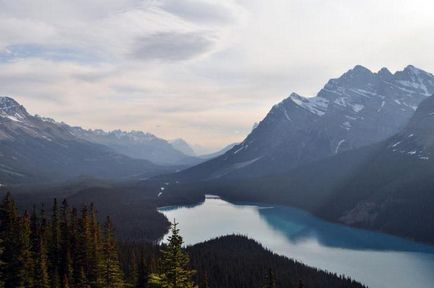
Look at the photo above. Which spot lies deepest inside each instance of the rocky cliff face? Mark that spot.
(357, 109)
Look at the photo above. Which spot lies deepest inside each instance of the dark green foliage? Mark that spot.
(112, 276)
(65, 251)
(238, 262)
(26, 251)
(133, 208)
(38, 225)
(271, 280)
(174, 271)
(13, 269)
(91, 258)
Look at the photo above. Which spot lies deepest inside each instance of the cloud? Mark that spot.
(21, 51)
(197, 69)
(171, 46)
(201, 11)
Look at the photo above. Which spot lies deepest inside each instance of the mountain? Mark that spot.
(182, 146)
(137, 144)
(385, 186)
(357, 109)
(392, 190)
(219, 152)
(34, 149)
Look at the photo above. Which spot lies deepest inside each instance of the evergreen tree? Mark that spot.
(142, 273)
(271, 280)
(133, 273)
(174, 272)
(38, 226)
(74, 242)
(300, 284)
(13, 269)
(54, 248)
(2, 284)
(94, 248)
(111, 270)
(82, 249)
(26, 251)
(65, 262)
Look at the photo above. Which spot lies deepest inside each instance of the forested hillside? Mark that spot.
(65, 247)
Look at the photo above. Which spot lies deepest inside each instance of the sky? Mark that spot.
(200, 70)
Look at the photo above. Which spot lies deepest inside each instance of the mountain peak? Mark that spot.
(360, 68)
(7, 102)
(11, 109)
(358, 73)
(385, 73)
(182, 146)
(410, 69)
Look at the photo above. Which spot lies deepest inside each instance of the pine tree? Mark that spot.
(54, 248)
(65, 262)
(38, 225)
(2, 284)
(174, 272)
(300, 284)
(26, 251)
(94, 248)
(13, 273)
(83, 247)
(111, 270)
(133, 273)
(142, 271)
(271, 281)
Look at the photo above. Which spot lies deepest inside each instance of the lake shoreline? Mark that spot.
(236, 201)
(299, 235)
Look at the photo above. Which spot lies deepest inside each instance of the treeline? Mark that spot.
(68, 248)
(235, 261)
(60, 248)
(65, 247)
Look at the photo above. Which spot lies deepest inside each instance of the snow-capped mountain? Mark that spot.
(386, 186)
(35, 149)
(392, 189)
(137, 144)
(357, 109)
(417, 139)
(11, 110)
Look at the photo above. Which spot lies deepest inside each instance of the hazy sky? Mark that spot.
(201, 70)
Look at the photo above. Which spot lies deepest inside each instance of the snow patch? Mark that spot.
(316, 105)
(339, 145)
(357, 107)
(347, 125)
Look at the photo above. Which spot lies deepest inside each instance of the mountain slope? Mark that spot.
(386, 186)
(357, 109)
(182, 146)
(136, 144)
(33, 149)
(393, 191)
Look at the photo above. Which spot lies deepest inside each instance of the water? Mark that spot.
(374, 259)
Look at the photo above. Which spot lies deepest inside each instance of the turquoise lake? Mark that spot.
(375, 259)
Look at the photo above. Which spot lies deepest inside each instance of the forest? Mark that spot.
(65, 247)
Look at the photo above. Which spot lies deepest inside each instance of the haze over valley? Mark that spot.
(216, 144)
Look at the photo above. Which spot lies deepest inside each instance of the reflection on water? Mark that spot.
(375, 259)
(332, 235)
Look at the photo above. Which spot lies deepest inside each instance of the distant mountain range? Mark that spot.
(357, 109)
(35, 148)
(137, 144)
